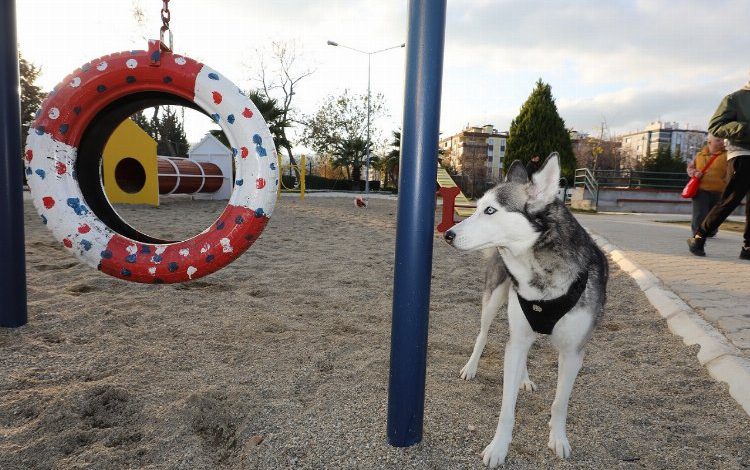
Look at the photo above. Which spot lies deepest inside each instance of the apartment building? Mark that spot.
(637, 145)
(476, 151)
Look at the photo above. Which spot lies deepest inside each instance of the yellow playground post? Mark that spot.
(301, 168)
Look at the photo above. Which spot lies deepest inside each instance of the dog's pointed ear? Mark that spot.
(545, 183)
(517, 173)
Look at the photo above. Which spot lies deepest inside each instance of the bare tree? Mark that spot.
(279, 76)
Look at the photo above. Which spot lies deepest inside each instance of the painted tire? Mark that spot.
(52, 151)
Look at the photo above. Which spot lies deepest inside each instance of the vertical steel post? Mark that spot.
(416, 218)
(13, 264)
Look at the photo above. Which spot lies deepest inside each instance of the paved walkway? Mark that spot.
(717, 287)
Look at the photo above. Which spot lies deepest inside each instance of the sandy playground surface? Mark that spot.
(280, 360)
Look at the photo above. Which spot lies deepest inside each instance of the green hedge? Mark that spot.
(319, 182)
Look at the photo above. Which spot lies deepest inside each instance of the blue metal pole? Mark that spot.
(416, 219)
(13, 262)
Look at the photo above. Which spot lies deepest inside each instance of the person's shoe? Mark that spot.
(696, 244)
(745, 253)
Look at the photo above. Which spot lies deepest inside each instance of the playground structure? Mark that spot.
(300, 168)
(132, 173)
(113, 87)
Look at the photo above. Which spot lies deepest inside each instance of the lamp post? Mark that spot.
(369, 55)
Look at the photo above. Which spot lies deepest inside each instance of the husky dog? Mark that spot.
(553, 277)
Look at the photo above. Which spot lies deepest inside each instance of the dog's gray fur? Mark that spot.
(537, 252)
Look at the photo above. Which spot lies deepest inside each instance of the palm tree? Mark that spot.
(350, 154)
(389, 162)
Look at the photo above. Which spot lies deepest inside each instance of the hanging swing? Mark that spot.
(64, 150)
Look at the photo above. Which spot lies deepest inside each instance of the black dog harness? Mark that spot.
(543, 315)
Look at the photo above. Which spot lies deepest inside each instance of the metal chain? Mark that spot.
(166, 15)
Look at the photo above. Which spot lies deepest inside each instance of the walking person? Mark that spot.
(731, 121)
(710, 166)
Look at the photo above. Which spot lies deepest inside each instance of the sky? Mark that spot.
(618, 63)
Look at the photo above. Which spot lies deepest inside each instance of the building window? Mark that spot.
(489, 158)
(490, 147)
(502, 147)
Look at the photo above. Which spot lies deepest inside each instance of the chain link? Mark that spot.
(166, 15)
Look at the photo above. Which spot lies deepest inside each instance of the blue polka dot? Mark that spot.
(86, 245)
(101, 88)
(77, 110)
(257, 140)
(131, 258)
(106, 254)
(259, 212)
(63, 128)
(273, 166)
(230, 119)
(234, 152)
(173, 267)
(239, 182)
(167, 79)
(125, 272)
(39, 130)
(75, 204)
(209, 258)
(130, 79)
(216, 117)
(86, 67)
(156, 56)
(261, 151)
(41, 173)
(145, 249)
(156, 259)
(219, 225)
(213, 76)
(238, 220)
(44, 219)
(28, 171)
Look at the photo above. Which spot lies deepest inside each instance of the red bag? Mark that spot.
(691, 188)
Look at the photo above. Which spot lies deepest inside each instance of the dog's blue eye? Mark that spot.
(490, 210)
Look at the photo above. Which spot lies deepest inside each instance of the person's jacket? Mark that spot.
(715, 178)
(731, 121)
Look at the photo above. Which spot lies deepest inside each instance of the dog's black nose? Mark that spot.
(449, 236)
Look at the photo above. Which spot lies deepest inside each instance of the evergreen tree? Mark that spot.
(539, 130)
(31, 97)
(171, 140)
(167, 130)
(663, 160)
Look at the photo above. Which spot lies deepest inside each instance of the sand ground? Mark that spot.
(280, 360)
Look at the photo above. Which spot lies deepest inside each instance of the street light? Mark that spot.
(369, 55)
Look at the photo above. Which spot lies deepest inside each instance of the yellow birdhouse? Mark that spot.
(130, 166)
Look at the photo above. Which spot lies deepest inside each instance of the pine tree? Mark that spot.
(663, 160)
(172, 140)
(31, 96)
(539, 130)
(166, 128)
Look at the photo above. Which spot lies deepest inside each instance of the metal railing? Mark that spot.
(585, 178)
(634, 179)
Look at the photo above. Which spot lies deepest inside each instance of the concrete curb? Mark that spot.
(724, 361)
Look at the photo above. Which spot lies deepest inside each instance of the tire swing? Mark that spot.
(63, 157)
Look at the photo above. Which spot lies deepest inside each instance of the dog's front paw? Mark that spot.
(559, 445)
(494, 454)
(469, 371)
(528, 386)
